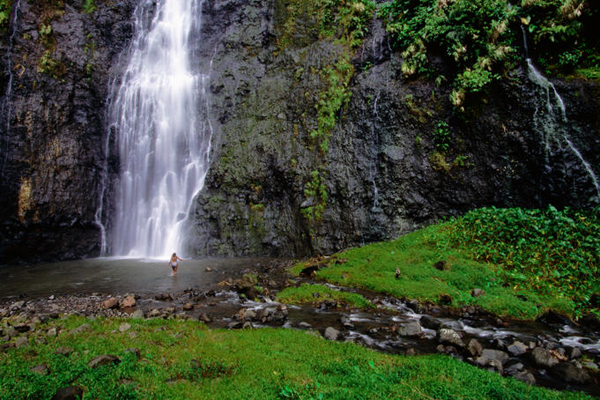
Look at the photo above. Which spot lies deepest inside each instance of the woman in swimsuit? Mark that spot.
(174, 264)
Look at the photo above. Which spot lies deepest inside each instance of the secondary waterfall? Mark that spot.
(160, 115)
(551, 120)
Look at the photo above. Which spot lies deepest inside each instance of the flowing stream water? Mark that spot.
(160, 115)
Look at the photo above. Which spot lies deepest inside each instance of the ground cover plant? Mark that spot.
(307, 293)
(181, 359)
(526, 262)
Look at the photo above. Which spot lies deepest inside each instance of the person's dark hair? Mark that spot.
(174, 254)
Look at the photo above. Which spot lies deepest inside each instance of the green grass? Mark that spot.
(306, 293)
(526, 261)
(183, 360)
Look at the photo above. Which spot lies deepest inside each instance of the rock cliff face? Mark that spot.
(272, 189)
(57, 62)
(383, 172)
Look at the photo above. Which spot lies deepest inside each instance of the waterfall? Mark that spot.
(552, 122)
(6, 110)
(160, 116)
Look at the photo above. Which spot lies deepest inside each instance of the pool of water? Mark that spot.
(116, 276)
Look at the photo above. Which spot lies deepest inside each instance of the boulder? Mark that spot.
(127, 302)
(427, 321)
(331, 334)
(449, 336)
(410, 329)
(568, 372)
(138, 314)
(490, 357)
(525, 376)
(543, 358)
(474, 348)
(110, 303)
(517, 348)
(477, 292)
(124, 327)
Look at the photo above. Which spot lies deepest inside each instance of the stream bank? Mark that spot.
(552, 352)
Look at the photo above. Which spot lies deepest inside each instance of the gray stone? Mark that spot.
(127, 302)
(138, 314)
(474, 348)
(427, 321)
(543, 358)
(204, 317)
(304, 325)
(124, 327)
(17, 305)
(489, 355)
(449, 336)
(410, 329)
(104, 359)
(52, 332)
(517, 349)
(514, 369)
(575, 353)
(154, 313)
(525, 376)
(331, 334)
(477, 292)
(569, 373)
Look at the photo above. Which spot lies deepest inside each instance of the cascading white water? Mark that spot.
(163, 138)
(553, 124)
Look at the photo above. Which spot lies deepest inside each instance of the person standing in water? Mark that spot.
(174, 263)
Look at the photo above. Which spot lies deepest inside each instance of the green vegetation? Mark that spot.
(89, 6)
(306, 293)
(550, 252)
(5, 11)
(481, 39)
(182, 360)
(526, 261)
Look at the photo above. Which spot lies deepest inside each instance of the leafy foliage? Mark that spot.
(548, 251)
(5, 11)
(480, 39)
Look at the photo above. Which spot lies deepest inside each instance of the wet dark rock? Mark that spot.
(346, 322)
(22, 328)
(525, 376)
(554, 318)
(492, 358)
(449, 336)
(164, 297)
(411, 329)
(68, 393)
(331, 334)
(514, 369)
(304, 325)
(517, 348)
(414, 305)
(445, 299)
(309, 272)
(474, 348)
(574, 353)
(105, 359)
(568, 372)
(429, 322)
(543, 358)
(235, 325)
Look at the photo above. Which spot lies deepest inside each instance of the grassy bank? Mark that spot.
(183, 360)
(525, 261)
